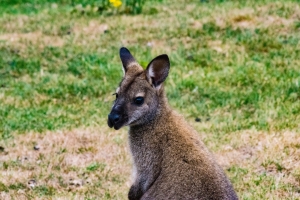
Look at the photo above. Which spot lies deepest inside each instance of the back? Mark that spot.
(188, 170)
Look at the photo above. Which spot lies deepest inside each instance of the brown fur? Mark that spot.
(170, 162)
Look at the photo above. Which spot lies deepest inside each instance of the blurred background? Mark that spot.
(235, 75)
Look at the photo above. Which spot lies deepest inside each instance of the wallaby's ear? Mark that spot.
(158, 70)
(126, 58)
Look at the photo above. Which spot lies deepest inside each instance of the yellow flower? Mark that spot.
(116, 3)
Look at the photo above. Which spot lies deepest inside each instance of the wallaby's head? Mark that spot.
(140, 92)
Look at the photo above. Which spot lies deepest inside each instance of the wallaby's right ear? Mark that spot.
(158, 70)
(126, 58)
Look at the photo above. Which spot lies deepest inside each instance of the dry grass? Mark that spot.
(276, 155)
(69, 162)
(65, 163)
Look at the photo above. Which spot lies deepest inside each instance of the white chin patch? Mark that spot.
(133, 174)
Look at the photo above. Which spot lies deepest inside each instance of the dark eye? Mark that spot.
(139, 100)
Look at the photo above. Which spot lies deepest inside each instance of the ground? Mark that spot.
(234, 68)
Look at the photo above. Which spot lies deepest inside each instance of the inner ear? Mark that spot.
(158, 70)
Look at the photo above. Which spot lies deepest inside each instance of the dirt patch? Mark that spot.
(36, 38)
(94, 28)
(251, 18)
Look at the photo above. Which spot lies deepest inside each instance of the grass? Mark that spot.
(234, 65)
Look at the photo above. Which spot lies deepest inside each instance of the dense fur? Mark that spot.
(170, 162)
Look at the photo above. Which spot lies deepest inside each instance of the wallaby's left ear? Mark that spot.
(158, 70)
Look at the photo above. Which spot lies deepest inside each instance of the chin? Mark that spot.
(117, 126)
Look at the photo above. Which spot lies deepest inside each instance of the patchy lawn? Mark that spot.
(77, 164)
(234, 68)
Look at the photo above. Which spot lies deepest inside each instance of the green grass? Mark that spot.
(249, 84)
(234, 64)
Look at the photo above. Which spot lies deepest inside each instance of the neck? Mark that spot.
(146, 141)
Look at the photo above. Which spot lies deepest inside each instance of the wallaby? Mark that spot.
(170, 162)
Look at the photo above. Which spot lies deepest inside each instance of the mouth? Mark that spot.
(117, 125)
(110, 123)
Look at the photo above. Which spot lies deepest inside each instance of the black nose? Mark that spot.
(113, 118)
